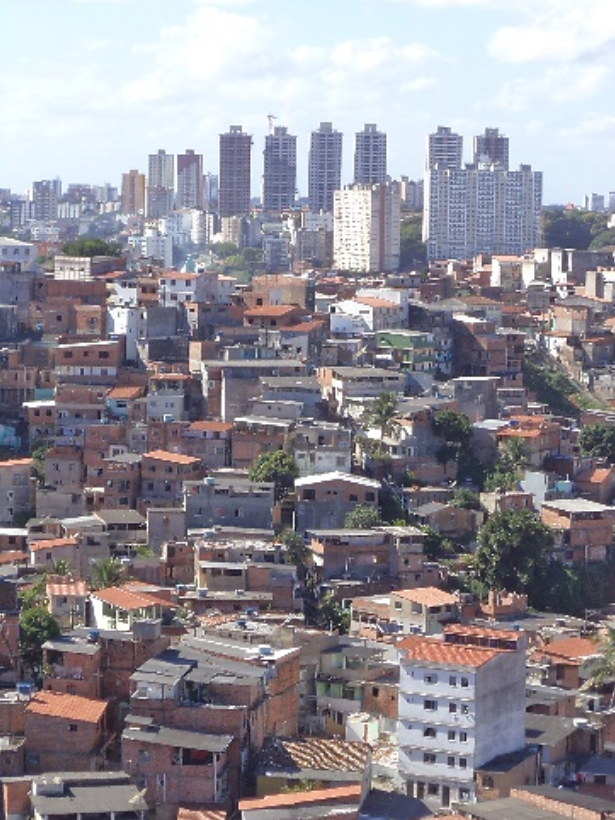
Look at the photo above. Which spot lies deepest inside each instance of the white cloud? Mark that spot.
(561, 31)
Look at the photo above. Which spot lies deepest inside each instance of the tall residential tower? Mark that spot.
(189, 180)
(325, 167)
(279, 170)
(370, 156)
(234, 179)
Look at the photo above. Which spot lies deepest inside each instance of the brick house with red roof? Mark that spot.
(64, 733)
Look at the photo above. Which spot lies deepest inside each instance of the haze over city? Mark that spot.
(94, 86)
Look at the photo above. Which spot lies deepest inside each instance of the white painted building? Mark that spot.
(366, 228)
(461, 705)
(481, 209)
(22, 253)
(153, 245)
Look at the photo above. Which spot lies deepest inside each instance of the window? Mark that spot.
(375, 691)
(429, 732)
(428, 757)
(465, 682)
(72, 727)
(452, 708)
(370, 496)
(487, 782)
(430, 705)
(465, 709)
(452, 681)
(143, 757)
(431, 678)
(463, 763)
(433, 789)
(309, 495)
(452, 734)
(463, 737)
(464, 794)
(450, 761)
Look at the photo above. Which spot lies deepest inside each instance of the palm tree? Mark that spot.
(603, 672)
(515, 448)
(381, 414)
(60, 567)
(108, 572)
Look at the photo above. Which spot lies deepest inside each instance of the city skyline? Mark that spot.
(146, 77)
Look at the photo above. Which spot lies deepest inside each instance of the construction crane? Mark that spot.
(270, 119)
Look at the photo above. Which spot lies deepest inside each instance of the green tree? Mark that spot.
(381, 414)
(278, 467)
(332, 615)
(60, 567)
(512, 552)
(412, 251)
(295, 551)
(362, 518)
(455, 430)
(502, 476)
(435, 546)
(35, 594)
(598, 440)
(603, 672)
(91, 247)
(107, 572)
(36, 626)
(516, 451)
(466, 499)
(225, 249)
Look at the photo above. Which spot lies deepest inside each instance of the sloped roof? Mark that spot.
(71, 707)
(432, 650)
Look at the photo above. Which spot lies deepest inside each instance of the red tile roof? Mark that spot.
(427, 596)
(373, 301)
(129, 599)
(201, 814)
(71, 707)
(51, 543)
(575, 649)
(270, 310)
(124, 392)
(432, 650)
(67, 587)
(12, 556)
(271, 801)
(16, 462)
(177, 458)
(212, 426)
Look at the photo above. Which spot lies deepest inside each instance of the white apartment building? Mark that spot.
(461, 705)
(481, 208)
(366, 228)
(153, 245)
(15, 251)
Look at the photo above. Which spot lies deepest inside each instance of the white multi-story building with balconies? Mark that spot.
(461, 705)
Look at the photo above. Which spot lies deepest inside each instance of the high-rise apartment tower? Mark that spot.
(234, 179)
(370, 156)
(491, 147)
(279, 170)
(325, 167)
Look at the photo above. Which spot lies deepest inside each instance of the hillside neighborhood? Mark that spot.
(315, 544)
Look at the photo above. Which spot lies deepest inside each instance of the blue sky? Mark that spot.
(90, 87)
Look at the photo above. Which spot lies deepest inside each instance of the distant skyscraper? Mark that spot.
(325, 167)
(161, 170)
(160, 184)
(45, 198)
(493, 146)
(444, 148)
(279, 170)
(234, 181)
(210, 191)
(133, 192)
(189, 180)
(366, 228)
(370, 156)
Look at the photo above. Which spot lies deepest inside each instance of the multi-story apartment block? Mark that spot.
(45, 196)
(189, 180)
(133, 192)
(583, 529)
(492, 147)
(366, 228)
(461, 704)
(481, 208)
(234, 180)
(160, 184)
(279, 170)
(16, 488)
(325, 167)
(444, 149)
(370, 156)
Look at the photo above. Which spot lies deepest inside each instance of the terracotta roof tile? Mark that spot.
(573, 648)
(436, 651)
(270, 310)
(212, 426)
(71, 707)
(428, 596)
(67, 587)
(320, 754)
(271, 801)
(375, 302)
(129, 599)
(201, 814)
(177, 458)
(52, 543)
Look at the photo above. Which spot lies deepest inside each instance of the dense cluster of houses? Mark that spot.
(197, 683)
